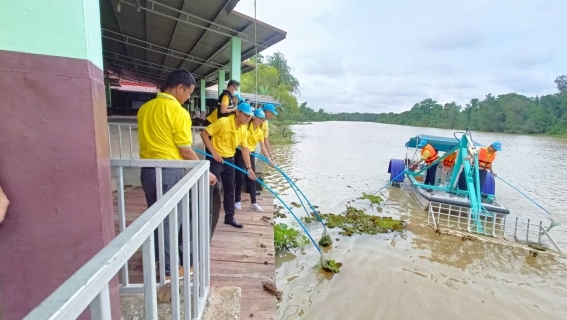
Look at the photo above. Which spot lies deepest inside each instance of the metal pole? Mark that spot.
(100, 306)
(120, 139)
(528, 232)
(130, 131)
(149, 269)
(186, 232)
(122, 217)
(174, 264)
(161, 244)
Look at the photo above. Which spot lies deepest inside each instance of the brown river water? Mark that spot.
(417, 274)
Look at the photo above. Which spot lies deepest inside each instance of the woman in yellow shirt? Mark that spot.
(221, 140)
(255, 136)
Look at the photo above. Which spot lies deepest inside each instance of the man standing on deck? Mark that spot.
(486, 156)
(226, 104)
(221, 140)
(429, 155)
(164, 133)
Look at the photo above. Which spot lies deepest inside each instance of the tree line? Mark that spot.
(510, 113)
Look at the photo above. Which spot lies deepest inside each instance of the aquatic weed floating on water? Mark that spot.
(332, 266)
(373, 199)
(355, 221)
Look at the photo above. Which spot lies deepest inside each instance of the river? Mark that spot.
(417, 274)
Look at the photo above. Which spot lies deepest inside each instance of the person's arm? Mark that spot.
(4, 202)
(265, 153)
(492, 171)
(224, 105)
(188, 154)
(183, 138)
(247, 162)
(206, 137)
(268, 148)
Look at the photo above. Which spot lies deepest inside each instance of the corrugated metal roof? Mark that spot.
(145, 44)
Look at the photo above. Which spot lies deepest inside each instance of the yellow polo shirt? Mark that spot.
(214, 116)
(265, 128)
(163, 127)
(226, 137)
(254, 136)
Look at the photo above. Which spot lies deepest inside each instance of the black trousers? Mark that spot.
(170, 176)
(241, 177)
(463, 182)
(225, 174)
(430, 175)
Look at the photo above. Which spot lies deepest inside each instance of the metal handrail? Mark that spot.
(130, 126)
(89, 285)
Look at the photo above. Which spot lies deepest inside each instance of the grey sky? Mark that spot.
(387, 55)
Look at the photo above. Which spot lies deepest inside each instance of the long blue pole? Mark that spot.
(272, 191)
(293, 187)
(537, 204)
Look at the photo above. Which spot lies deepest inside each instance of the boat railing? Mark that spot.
(124, 143)
(490, 224)
(188, 200)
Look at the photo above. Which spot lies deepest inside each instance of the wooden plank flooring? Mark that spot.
(239, 257)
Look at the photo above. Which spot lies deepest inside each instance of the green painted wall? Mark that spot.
(63, 28)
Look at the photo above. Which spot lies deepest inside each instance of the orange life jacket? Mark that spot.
(450, 159)
(485, 160)
(432, 154)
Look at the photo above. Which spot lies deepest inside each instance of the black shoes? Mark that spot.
(234, 223)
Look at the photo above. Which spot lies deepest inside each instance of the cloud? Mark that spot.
(383, 55)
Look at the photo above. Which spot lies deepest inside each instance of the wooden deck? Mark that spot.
(238, 256)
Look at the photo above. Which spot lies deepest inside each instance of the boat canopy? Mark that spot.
(442, 144)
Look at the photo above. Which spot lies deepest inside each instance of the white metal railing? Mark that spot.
(497, 225)
(128, 147)
(88, 287)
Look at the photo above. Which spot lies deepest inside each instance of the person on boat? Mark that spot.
(221, 139)
(428, 155)
(255, 136)
(448, 164)
(164, 133)
(226, 103)
(486, 157)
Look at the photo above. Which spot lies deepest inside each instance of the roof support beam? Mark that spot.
(220, 29)
(205, 31)
(162, 50)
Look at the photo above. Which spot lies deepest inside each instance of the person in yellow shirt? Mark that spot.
(221, 139)
(255, 136)
(164, 132)
(226, 104)
(270, 111)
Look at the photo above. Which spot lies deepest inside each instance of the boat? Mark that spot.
(445, 190)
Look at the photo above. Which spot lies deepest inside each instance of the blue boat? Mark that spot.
(445, 191)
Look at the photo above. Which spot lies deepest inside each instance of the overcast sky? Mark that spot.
(387, 55)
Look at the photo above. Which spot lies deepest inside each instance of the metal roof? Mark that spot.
(213, 94)
(145, 42)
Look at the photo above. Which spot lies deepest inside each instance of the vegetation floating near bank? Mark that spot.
(355, 221)
(286, 237)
